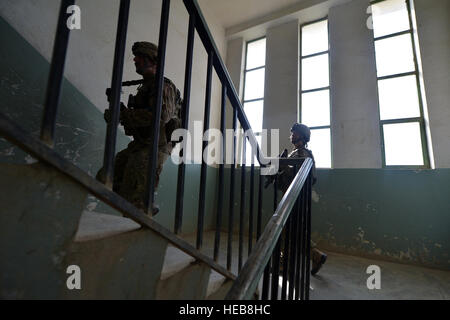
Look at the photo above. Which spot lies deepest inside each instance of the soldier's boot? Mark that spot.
(155, 209)
(318, 259)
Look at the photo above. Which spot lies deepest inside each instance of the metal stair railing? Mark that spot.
(293, 217)
(43, 150)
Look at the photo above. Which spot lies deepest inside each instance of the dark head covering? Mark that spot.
(302, 130)
(146, 49)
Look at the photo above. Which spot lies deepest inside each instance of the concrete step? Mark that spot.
(218, 285)
(95, 226)
(182, 278)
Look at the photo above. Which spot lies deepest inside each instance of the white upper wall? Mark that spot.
(433, 26)
(91, 49)
(355, 128)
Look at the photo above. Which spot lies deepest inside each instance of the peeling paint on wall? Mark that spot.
(315, 196)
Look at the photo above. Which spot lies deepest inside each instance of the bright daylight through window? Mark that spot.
(254, 90)
(401, 111)
(315, 89)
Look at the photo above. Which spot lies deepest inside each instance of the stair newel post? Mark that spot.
(153, 155)
(114, 100)
(53, 92)
(185, 124)
(206, 117)
(231, 206)
(221, 174)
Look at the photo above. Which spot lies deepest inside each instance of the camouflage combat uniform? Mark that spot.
(287, 173)
(285, 177)
(131, 164)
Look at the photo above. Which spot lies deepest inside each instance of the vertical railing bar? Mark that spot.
(55, 78)
(116, 88)
(206, 117)
(153, 150)
(185, 122)
(266, 279)
(250, 215)
(276, 251)
(275, 270)
(293, 251)
(221, 175)
(299, 247)
(303, 254)
(259, 216)
(286, 248)
(242, 206)
(308, 235)
(293, 246)
(232, 181)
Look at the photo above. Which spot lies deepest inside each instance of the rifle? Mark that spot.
(271, 179)
(125, 84)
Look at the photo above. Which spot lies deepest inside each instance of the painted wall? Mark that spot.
(395, 215)
(80, 130)
(281, 82)
(355, 130)
(91, 49)
(399, 215)
(433, 28)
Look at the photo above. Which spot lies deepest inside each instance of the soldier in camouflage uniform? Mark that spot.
(131, 164)
(300, 135)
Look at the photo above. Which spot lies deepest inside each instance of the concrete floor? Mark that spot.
(344, 277)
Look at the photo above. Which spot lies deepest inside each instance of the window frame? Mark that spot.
(257, 134)
(421, 118)
(301, 92)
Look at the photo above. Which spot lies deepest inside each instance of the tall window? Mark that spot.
(315, 89)
(255, 63)
(401, 111)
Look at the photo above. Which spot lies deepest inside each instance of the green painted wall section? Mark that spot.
(396, 215)
(399, 215)
(80, 129)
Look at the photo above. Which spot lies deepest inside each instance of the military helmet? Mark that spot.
(302, 130)
(147, 49)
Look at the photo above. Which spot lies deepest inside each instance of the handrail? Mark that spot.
(39, 150)
(247, 281)
(251, 271)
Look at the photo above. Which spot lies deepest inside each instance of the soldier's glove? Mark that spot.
(107, 114)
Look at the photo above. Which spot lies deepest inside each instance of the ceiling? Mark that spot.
(234, 12)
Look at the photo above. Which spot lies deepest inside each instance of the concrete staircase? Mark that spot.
(181, 276)
(50, 231)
